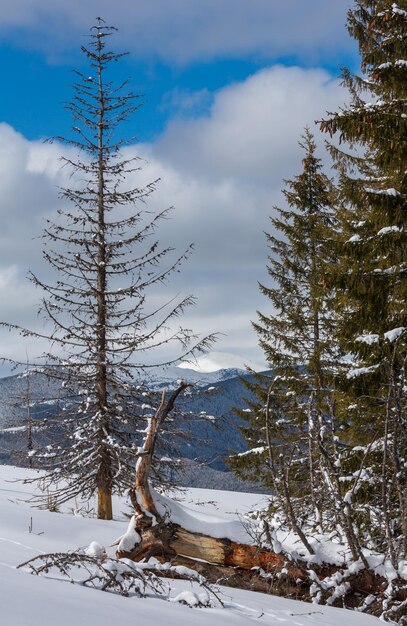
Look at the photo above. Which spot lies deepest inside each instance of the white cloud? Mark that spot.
(253, 127)
(8, 275)
(30, 175)
(181, 102)
(182, 31)
(223, 173)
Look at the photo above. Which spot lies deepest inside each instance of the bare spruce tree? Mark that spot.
(107, 259)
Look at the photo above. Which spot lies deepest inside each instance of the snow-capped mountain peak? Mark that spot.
(215, 361)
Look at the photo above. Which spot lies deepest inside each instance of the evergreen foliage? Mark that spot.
(370, 278)
(302, 328)
(282, 426)
(329, 431)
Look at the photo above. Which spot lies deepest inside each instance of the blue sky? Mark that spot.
(228, 85)
(28, 71)
(36, 64)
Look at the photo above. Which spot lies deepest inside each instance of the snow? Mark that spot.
(394, 334)
(214, 361)
(389, 229)
(28, 600)
(369, 339)
(219, 524)
(396, 10)
(360, 371)
(398, 63)
(258, 450)
(188, 597)
(163, 376)
(130, 538)
(384, 192)
(13, 429)
(96, 550)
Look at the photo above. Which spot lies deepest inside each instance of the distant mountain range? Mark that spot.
(167, 377)
(216, 393)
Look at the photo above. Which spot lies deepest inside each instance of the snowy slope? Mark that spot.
(27, 600)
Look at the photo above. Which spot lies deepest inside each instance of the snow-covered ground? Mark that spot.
(27, 600)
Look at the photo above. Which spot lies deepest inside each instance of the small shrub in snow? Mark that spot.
(91, 567)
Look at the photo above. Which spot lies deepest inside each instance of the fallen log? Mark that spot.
(236, 564)
(233, 564)
(257, 568)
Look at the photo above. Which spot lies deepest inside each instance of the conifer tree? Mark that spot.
(107, 258)
(283, 423)
(370, 277)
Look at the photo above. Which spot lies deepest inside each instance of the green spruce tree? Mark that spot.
(283, 424)
(370, 278)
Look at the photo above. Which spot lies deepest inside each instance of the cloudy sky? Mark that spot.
(228, 87)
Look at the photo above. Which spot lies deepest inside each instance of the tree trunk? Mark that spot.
(105, 504)
(104, 476)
